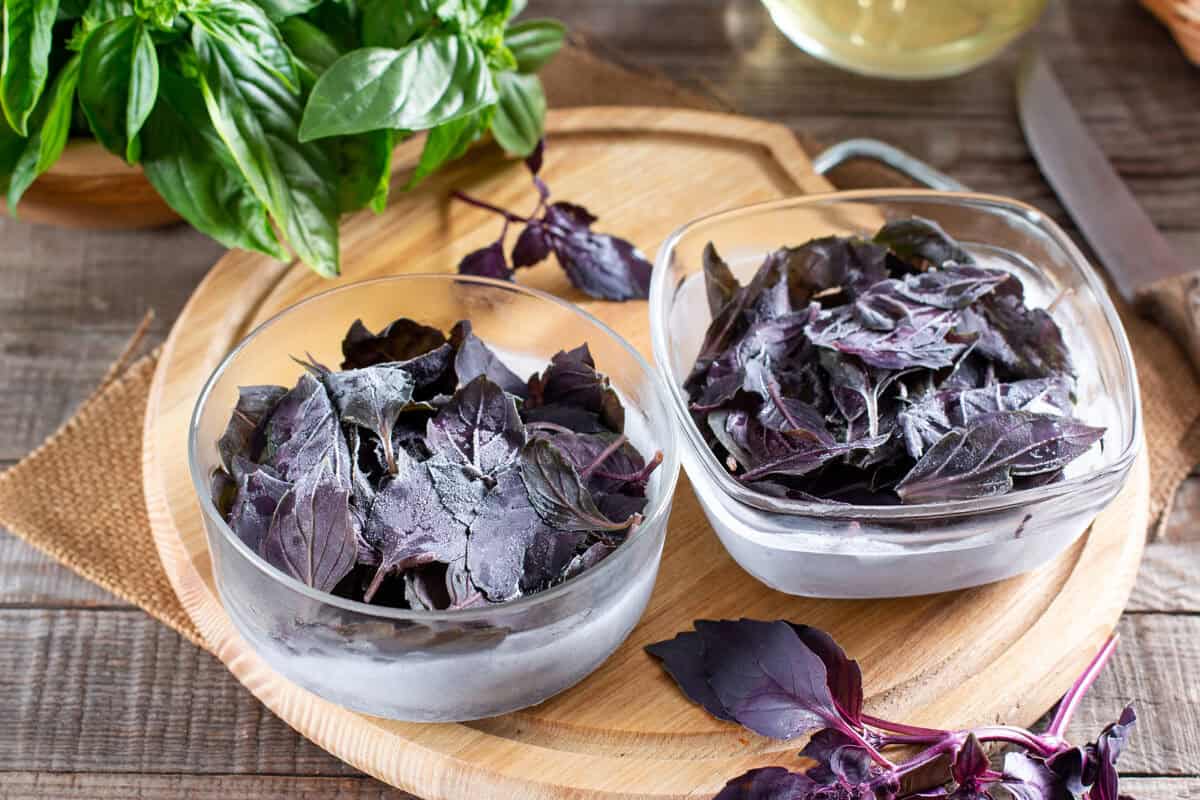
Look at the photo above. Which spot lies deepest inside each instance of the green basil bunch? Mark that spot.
(262, 121)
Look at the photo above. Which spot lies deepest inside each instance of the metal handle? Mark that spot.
(893, 157)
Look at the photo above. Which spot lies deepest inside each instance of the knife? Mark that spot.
(1147, 273)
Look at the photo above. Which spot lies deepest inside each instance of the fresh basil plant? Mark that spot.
(261, 122)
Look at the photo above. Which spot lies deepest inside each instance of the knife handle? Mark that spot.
(1174, 303)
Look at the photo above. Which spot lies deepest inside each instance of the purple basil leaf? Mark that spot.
(487, 262)
(408, 526)
(767, 677)
(532, 246)
(572, 382)
(589, 558)
(478, 429)
(373, 398)
(919, 340)
(610, 462)
(955, 286)
(474, 358)
(311, 536)
(843, 673)
(600, 265)
(259, 493)
(982, 459)
(430, 371)
(511, 549)
(438, 587)
(923, 239)
(557, 492)
(303, 432)
(683, 659)
(460, 488)
(773, 783)
(402, 340)
(830, 263)
(243, 435)
(222, 488)
(720, 285)
(1108, 747)
(762, 451)
(1026, 342)
(534, 160)
(840, 760)
(1028, 778)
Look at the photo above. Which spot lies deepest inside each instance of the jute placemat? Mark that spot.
(94, 520)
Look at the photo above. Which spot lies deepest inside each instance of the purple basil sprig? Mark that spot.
(784, 680)
(598, 264)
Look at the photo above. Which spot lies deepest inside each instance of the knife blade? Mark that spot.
(1146, 271)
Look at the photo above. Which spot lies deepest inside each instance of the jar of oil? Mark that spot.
(904, 38)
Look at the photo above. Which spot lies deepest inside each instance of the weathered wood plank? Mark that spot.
(1154, 668)
(86, 786)
(28, 577)
(113, 691)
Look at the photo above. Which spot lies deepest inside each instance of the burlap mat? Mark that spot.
(94, 520)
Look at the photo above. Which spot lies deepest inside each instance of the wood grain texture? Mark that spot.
(73, 786)
(618, 733)
(155, 704)
(89, 188)
(1140, 105)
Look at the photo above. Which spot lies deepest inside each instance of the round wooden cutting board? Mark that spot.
(1005, 651)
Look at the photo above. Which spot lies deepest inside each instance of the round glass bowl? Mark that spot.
(827, 550)
(451, 665)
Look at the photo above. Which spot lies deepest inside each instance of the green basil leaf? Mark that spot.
(534, 42)
(517, 7)
(47, 143)
(449, 141)
(71, 9)
(279, 10)
(246, 27)
(118, 83)
(395, 23)
(257, 117)
(433, 80)
(520, 114)
(11, 146)
(186, 161)
(312, 46)
(28, 25)
(364, 170)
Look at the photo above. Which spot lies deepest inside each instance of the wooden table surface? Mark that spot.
(99, 701)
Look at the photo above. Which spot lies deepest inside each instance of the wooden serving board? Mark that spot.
(1005, 651)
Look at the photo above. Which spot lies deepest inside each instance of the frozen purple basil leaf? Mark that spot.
(511, 549)
(787, 453)
(607, 462)
(479, 429)
(923, 239)
(769, 680)
(828, 264)
(571, 381)
(776, 783)
(557, 492)
(924, 423)
(430, 372)
(683, 659)
(487, 262)
(409, 526)
(955, 286)
(311, 536)
(303, 432)
(593, 555)
(373, 398)
(982, 459)
(440, 587)
(474, 358)
(1026, 342)
(460, 488)
(921, 339)
(720, 285)
(258, 495)
(244, 435)
(401, 340)
(532, 246)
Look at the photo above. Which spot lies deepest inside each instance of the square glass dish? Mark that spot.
(835, 550)
(437, 665)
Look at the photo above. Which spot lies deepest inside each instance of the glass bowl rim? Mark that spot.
(658, 509)
(661, 300)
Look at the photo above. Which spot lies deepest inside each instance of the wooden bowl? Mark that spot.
(1182, 18)
(90, 188)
